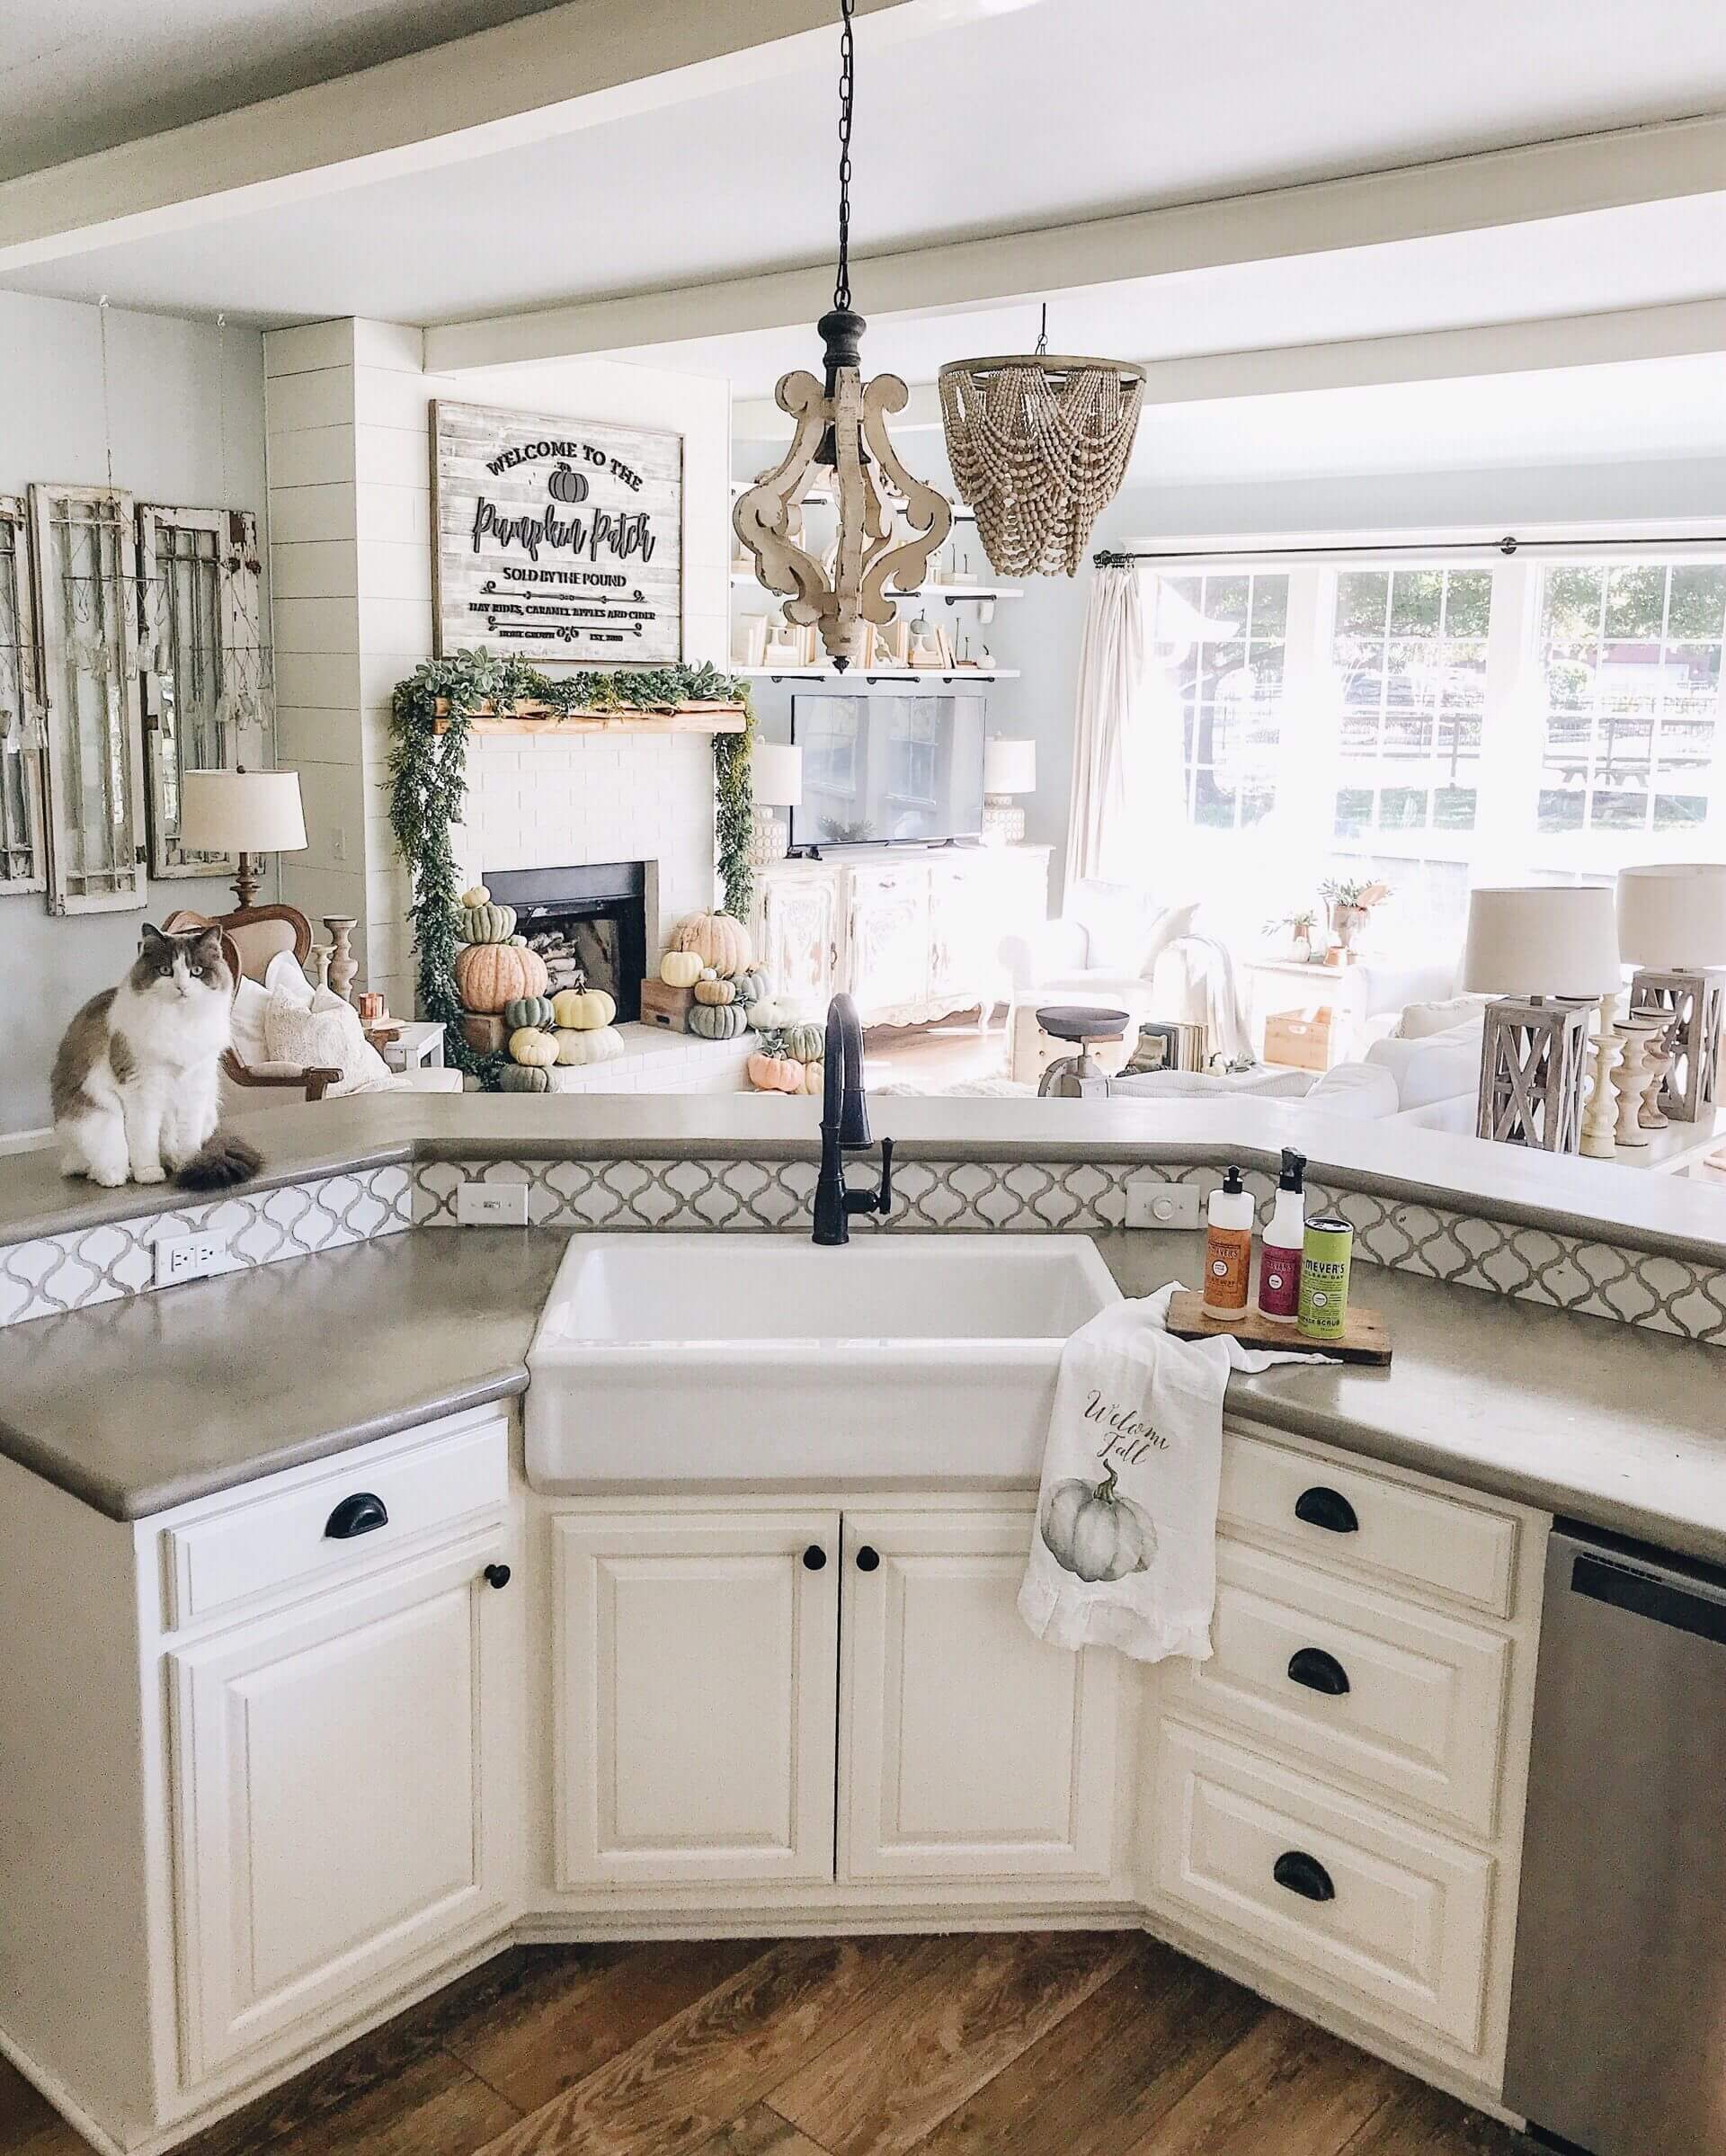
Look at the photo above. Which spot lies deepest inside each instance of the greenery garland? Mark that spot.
(428, 774)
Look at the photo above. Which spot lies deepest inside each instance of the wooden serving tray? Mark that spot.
(1364, 1337)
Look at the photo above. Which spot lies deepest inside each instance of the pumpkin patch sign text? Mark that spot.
(557, 538)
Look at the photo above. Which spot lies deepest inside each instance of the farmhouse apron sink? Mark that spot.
(739, 1359)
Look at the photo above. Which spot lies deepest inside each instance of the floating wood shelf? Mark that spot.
(529, 717)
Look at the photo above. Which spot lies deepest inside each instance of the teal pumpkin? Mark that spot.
(518, 1078)
(753, 986)
(805, 1043)
(528, 1011)
(717, 1022)
(487, 923)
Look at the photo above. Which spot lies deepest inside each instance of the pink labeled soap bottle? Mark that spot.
(1279, 1261)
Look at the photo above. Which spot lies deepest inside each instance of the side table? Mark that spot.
(410, 1046)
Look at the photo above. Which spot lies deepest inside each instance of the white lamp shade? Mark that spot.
(776, 773)
(241, 812)
(1009, 765)
(1545, 939)
(1672, 914)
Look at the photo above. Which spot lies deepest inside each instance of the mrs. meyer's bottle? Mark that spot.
(1228, 1248)
(1279, 1259)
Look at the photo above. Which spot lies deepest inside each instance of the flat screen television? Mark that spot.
(885, 771)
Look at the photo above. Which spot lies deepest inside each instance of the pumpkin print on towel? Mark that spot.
(1090, 1529)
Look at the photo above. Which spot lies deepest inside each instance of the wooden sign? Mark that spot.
(557, 538)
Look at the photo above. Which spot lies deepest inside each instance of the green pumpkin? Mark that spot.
(487, 923)
(753, 986)
(717, 1022)
(528, 1011)
(518, 1078)
(805, 1042)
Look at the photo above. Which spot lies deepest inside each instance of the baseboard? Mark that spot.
(26, 1141)
(53, 2092)
(560, 1928)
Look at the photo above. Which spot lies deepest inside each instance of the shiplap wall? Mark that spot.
(350, 483)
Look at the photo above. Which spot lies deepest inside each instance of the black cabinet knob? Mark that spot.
(497, 1575)
(1328, 1509)
(1318, 1672)
(814, 1558)
(357, 1515)
(1304, 1875)
(867, 1559)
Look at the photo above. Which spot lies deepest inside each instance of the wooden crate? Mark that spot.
(662, 1005)
(1302, 1038)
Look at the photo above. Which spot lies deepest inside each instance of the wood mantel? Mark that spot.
(530, 717)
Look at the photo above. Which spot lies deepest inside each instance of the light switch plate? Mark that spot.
(1152, 1204)
(492, 1205)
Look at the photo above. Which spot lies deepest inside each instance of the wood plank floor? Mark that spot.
(1058, 2044)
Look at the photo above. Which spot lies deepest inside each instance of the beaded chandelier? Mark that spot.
(1039, 445)
(841, 427)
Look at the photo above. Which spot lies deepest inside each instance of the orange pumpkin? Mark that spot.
(775, 1075)
(490, 975)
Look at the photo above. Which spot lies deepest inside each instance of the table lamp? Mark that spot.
(244, 813)
(1008, 767)
(1549, 954)
(775, 776)
(1672, 927)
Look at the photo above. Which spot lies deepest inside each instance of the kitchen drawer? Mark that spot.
(1401, 1533)
(266, 1544)
(1404, 1925)
(1423, 1717)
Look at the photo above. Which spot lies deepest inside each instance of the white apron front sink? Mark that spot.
(735, 1360)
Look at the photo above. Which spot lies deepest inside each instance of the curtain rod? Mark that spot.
(1108, 557)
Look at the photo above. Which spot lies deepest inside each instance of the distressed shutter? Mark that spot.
(23, 850)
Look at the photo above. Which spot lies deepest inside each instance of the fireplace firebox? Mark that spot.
(588, 923)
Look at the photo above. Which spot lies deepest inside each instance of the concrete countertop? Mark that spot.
(140, 1405)
(1562, 1192)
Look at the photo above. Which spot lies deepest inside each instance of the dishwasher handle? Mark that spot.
(1648, 1594)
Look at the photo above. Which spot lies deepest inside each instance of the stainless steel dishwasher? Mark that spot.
(1618, 2002)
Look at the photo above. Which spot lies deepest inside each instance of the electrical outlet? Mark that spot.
(1152, 1204)
(492, 1205)
(181, 1258)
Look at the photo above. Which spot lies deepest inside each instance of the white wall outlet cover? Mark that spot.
(1153, 1203)
(492, 1205)
(181, 1258)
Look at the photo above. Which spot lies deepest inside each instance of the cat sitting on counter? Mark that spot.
(134, 1083)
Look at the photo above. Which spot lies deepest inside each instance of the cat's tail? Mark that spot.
(220, 1162)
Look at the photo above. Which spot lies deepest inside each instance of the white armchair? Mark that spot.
(1112, 949)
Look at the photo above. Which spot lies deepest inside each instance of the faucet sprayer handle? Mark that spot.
(883, 1195)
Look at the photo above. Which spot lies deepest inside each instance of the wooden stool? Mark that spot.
(1069, 1077)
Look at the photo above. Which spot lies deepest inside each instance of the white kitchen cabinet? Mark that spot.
(911, 934)
(693, 1687)
(329, 1768)
(968, 1749)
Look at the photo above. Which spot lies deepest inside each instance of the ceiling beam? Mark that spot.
(1564, 178)
(1683, 330)
(571, 68)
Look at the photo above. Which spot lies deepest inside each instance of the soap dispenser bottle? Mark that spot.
(1228, 1248)
(1279, 1262)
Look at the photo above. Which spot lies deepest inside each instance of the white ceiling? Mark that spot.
(1069, 109)
(78, 76)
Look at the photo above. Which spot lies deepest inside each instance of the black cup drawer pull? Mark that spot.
(1304, 1875)
(1318, 1672)
(356, 1514)
(1328, 1509)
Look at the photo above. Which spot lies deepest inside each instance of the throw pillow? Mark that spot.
(1419, 1020)
(1359, 1091)
(326, 1030)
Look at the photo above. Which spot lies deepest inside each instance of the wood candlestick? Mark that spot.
(1633, 1079)
(1600, 1117)
(344, 964)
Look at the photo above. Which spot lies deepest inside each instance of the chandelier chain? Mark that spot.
(846, 87)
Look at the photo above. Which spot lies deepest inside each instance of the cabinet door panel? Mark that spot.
(799, 935)
(328, 1770)
(887, 944)
(968, 1748)
(695, 1695)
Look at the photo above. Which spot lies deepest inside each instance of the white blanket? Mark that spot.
(1124, 1553)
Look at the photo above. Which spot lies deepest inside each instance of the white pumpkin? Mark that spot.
(583, 1010)
(680, 968)
(1091, 1529)
(599, 1044)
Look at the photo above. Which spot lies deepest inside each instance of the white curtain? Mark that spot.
(1126, 813)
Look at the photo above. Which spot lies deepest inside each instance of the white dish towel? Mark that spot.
(1123, 1553)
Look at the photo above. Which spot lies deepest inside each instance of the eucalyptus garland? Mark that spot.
(429, 782)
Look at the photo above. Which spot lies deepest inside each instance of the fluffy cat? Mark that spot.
(134, 1084)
